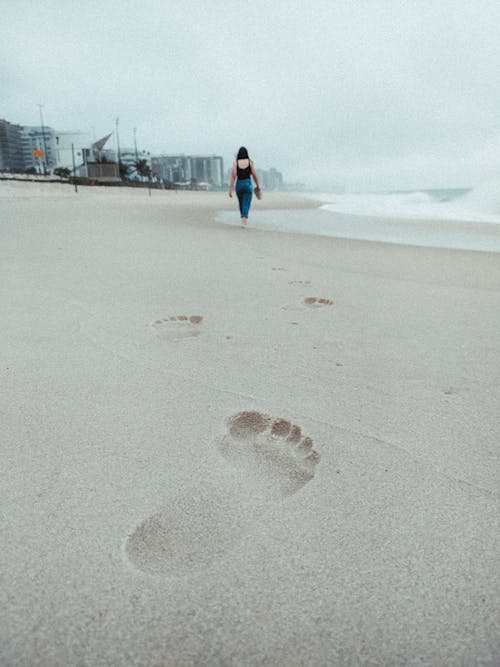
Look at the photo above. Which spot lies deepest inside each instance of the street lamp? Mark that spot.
(118, 146)
(43, 141)
(135, 145)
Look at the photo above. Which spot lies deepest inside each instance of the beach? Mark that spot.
(241, 447)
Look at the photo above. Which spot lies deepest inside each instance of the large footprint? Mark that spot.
(274, 452)
(201, 527)
(188, 535)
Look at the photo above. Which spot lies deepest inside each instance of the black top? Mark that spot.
(243, 173)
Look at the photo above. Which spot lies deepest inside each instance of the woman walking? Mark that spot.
(243, 172)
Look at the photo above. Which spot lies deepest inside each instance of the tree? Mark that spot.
(63, 172)
(143, 168)
(124, 170)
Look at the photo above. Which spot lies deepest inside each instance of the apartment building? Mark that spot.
(207, 170)
(11, 149)
(38, 148)
(31, 148)
(270, 179)
(204, 171)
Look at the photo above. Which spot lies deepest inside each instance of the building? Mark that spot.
(41, 150)
(63, 151)
(172, 169)
(95, 165)
(101, 172)
(38, 146)
(270, 179)
(207, 171)
(11, 147)
(198, 171)
(27, 148)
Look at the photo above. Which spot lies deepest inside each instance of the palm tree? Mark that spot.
(143, 169)
(124, 170)
(63, 172)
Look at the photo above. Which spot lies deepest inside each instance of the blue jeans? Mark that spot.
(244, 193)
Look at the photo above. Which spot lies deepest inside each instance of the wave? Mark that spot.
(479, 204)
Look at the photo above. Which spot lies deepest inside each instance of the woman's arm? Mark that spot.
(254, 174)
(233, 178)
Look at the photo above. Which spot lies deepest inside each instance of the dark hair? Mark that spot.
(242, 154)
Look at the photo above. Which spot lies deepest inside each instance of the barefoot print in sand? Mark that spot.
(189, 535)
(316, 302)
(177, 327)
(310, 302)
(200, 528)
(274, 452)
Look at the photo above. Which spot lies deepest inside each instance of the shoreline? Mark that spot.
(415, 232)
(293, 213)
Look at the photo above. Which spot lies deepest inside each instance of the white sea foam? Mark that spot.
(460, 219)
(479, 204)
(485, 199)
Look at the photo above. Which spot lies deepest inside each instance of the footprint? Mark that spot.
(272, 452)
(199, 528)
(189, 535)
(177, 327)
(315, 302)
(309, 302)
(453, 391)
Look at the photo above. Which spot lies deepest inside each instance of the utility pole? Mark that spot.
(135, 145)
(118, 147)
(43, 141)
(74, 167)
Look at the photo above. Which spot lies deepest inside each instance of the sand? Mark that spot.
(236, 447)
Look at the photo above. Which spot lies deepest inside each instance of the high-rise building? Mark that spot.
(172, 169)
(25, 148)
(204, 171)
(38, 148)
(270, 179)
(207, 170)
(11, 148)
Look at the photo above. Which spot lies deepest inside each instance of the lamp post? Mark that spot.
(136, 154)
(74, 167)
(118, 147)
(43, 141)
(135, 145)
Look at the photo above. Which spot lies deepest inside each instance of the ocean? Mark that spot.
(465, 218)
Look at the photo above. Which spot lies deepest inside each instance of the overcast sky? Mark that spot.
(359, 94)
